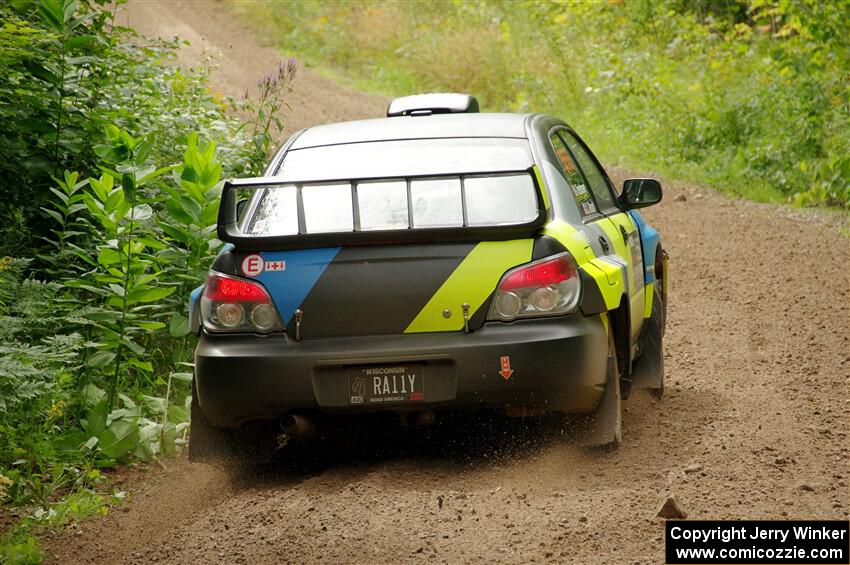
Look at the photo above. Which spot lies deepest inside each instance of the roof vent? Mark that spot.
(436, 103)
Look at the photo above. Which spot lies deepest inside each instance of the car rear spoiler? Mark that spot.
(230, 230)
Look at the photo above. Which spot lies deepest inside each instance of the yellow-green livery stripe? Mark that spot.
(575, 241)
(543, 191)
(471, 282)
(649, 294)
(609, 278)
(610, 229)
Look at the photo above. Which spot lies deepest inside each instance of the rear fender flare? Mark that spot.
(603, 286)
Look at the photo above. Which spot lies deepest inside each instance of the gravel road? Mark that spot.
(754, 424)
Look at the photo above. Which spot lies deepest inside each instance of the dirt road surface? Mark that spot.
(754, 425)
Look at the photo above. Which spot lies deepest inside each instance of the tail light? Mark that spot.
(231, 304)
(546, 287)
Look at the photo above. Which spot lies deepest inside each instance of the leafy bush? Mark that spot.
(113, 161)
(69, 72)
(751, 96)
(87, 357)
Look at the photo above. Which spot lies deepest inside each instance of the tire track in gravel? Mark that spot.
(758, 358)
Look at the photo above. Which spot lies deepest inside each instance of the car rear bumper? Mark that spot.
(557, 363)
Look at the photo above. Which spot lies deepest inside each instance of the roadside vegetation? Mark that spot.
(112, 158)
(751, 96)
(111, 162)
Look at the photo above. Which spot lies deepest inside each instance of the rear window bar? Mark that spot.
(229, 227)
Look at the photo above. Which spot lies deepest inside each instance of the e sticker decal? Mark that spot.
(254, 265)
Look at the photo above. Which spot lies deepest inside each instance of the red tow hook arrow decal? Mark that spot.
(506, 371)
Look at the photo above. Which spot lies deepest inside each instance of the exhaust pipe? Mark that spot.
(299, 428)
(425, 418)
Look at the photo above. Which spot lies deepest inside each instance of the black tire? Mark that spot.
(648, 370)
(655, 341)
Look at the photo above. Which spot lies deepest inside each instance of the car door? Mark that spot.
(621, 232)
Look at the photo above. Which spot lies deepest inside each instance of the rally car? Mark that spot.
(436, 259)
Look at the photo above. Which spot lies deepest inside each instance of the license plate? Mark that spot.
(389, 383)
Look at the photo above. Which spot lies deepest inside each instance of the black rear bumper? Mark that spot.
(557, 363)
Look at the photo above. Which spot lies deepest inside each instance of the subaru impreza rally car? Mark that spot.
(436, 259)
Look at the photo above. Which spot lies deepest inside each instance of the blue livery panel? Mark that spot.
(649, 238)
(296, 273)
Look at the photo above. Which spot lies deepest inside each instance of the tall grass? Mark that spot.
(749, 96)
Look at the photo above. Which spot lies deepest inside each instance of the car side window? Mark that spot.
(595, 176)
(575, 179)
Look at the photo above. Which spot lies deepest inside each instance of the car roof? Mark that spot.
(415, 127)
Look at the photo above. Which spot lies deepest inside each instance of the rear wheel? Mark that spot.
(649, 369)
(656, 342)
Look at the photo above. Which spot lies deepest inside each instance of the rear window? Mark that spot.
(406, 158)
(394, 204)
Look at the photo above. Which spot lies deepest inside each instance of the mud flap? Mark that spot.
(604, 428)
(648, 372)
